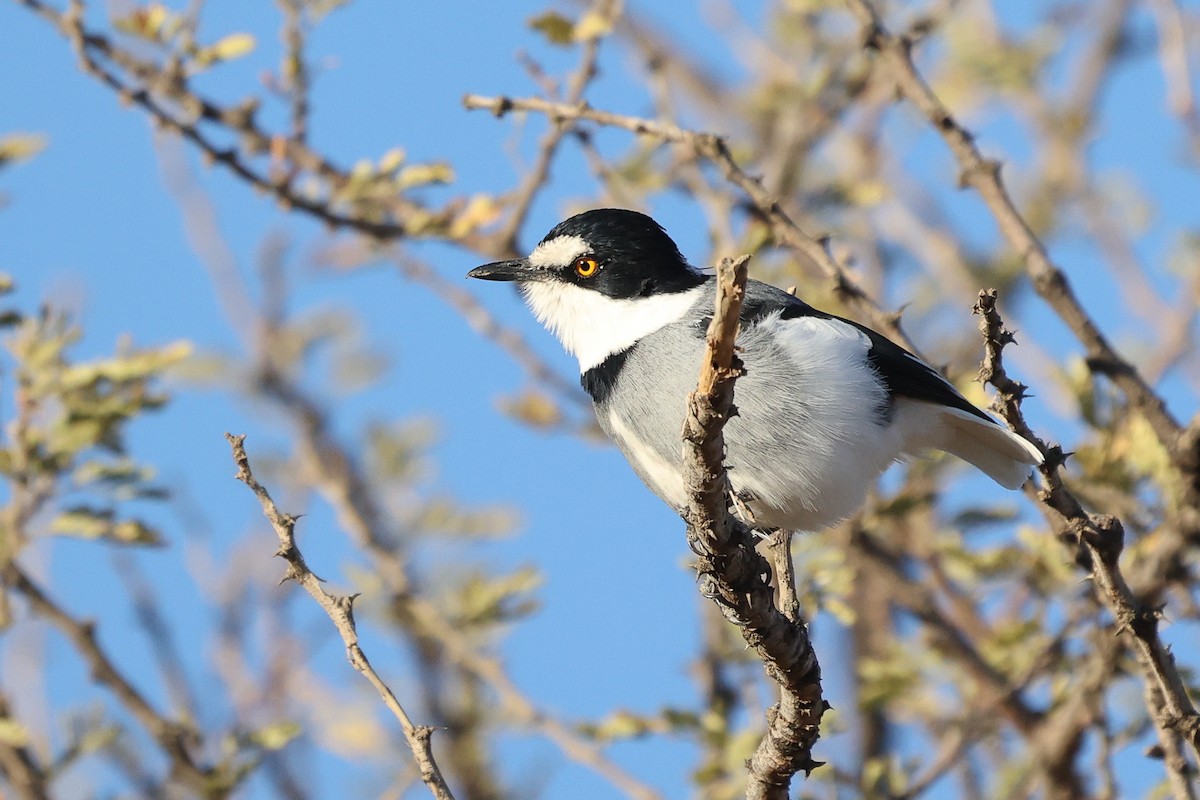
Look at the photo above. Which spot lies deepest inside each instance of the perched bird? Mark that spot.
(824, 406)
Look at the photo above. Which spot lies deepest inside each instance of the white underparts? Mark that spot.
(663, 477)
(593, 326)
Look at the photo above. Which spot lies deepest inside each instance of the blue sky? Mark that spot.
(90, 224)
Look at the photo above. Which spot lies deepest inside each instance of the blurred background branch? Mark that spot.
(443, 455)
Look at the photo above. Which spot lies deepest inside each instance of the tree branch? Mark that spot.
(715, 149)
(341, 612)
(983, 175)
(163, 92)
(732, 572)
(177, 739)
(1100, 537)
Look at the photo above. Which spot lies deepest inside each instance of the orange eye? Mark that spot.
(586, 267)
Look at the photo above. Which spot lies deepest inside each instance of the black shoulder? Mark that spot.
(905, 375)
(600, 379)
(902, 373)
(762, 300)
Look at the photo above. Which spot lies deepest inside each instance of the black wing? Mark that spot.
(902, 373)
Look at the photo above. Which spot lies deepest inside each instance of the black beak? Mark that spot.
(515, 270)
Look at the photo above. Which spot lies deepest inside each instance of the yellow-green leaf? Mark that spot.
(482, 209)
(422, 174)
(145, 22)
(20, 146)
(532, 408)
(276, 736)
(392, 160)
(235, 45)
(13, 733)
(555, 27)
(91, 523)
(594, 25)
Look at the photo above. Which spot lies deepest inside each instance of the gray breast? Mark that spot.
(791, 430)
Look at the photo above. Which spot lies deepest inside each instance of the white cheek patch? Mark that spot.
(558, 252)
(593, 326)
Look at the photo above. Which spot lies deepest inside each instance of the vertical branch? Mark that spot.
(295, 69)
(732, 573)
(1101, 538)
(27, 779)
(341, 612)
(983, 175)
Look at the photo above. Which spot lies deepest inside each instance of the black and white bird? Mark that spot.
(824, 407)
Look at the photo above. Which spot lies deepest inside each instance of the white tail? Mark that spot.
(1003, 455)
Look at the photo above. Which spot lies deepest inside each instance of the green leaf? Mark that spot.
(86, 522)
(276, 736)
(556, 28)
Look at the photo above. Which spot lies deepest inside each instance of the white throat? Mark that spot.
(593, 326)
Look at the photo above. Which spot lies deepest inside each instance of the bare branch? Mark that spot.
(176, 739)
(714, 148)
(1101, 537)
(983, 175)
(732, 572)
(341, 613)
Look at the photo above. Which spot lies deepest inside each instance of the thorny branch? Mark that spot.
(983, 175)
(341, 613)
(1146, 575)
(339, 479)
(1101, 537)
(731, 571)
(163, 91)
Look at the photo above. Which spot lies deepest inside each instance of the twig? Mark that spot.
(175, 738)
(341, 482)
(535, 177)
(27, 779)
(163, 92)
(341, 612)
(731, 572)
(1100, 537)
(983, 175)
(295, 74)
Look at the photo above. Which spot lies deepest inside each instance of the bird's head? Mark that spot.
(601, 280)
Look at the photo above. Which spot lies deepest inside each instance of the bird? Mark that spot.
(823, 407)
